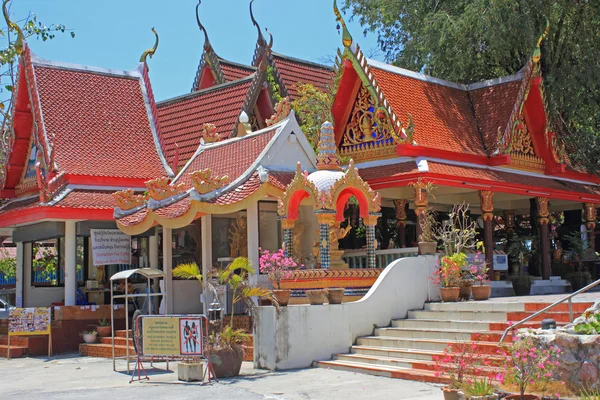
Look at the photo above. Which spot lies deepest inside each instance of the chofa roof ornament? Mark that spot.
(19, 43)
(537, 52)
(202, 28)
(261, 39)
(150, 52)
(346, 37)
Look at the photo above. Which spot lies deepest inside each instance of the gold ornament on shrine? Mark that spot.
(486, 204)
(209, 133)
(161, 188)
(282, 111)
(204, 182)
(128, 200)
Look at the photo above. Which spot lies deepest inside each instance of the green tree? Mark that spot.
(313, 107)
(473, 40)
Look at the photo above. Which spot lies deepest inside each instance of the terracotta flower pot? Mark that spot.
(427, 247)
(449, 294)
(525, 397)
(465, 289)
(335, 295)
(463, 396)
(227, 362)
(316, 297)
(482, 292)
(104, 331)
(449, 393)
(283, 296)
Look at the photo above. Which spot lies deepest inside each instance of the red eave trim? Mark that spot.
(34, 214)
(409, 150)
(482, 184)
(7, 193)
(106, 181)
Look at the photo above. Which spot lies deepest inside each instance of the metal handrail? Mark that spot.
(543, 310)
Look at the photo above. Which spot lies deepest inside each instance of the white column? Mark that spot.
(206, 238)
(252, 226)
(20, 274)
(27, 250)
(70, 263)
(153, 261)
(167, 243)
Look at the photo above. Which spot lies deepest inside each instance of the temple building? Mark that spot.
(209, 175)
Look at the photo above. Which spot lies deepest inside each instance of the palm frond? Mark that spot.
(254, 291)
(241, 263)
(188, 271)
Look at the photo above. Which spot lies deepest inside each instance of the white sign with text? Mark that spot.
(110, 246)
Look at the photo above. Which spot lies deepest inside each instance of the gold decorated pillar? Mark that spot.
(288, 235)
(544, 220)
(590, 223)
(420, 199)
(486, 204)
(400, 206)
(325, 220)
(370, 222)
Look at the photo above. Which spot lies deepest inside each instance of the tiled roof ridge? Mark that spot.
(237, 64)
(301, 61)
(191, 95)
(426, 78)
(477, 125)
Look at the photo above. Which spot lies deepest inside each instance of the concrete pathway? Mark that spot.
(82, 378)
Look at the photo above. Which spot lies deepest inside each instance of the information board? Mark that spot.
(29, 321)
(110, 246)
(172, 336)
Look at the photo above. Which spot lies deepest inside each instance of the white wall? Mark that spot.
(301, 334)
(186, 297)
(37, 296)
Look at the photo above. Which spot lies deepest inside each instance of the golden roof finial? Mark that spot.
(346, 37)
(11, 25)
(537, 52)
(150, 52)
(206, 41)
(260, 35)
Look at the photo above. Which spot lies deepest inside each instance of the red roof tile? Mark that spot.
(135, 218)
(388, 171)
(174, 210)
(234, 72)
(99, 122)
(492, 106)
(442, 115)
(181, 119)
(91, 199)
(281, 179)
(293, 71)
(232, 157)
(241, 192)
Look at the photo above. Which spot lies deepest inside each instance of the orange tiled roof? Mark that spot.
(233, 71)
(180, 119)
(293, 71)
(99, 122)
(94, 199)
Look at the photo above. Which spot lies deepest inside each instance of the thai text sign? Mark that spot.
(110, 246)
(172, 336)
(29, 321)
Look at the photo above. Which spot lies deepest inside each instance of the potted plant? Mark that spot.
(525, 363)
(580, 277)
(316, 297)
(335, 295)
(277, 266)
(460, 362)
(104, 328)
(226, 350)
(518, 252)
(89, 336)
(478, 389)
(448, 276)
(481, 283)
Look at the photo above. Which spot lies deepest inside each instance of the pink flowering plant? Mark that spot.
(526, 363)
(276, 265)
(448, 273)
(478, 270)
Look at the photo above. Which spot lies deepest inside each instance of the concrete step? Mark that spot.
(119, 341)
(440, 324)
(15, 351)
(104, 350)
(383, 370)
(504, 306)
(420, 343)
(123, 333)
(483, 316)
(15, 340)
(451, 334)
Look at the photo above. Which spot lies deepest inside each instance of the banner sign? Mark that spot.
(110, 246)
(172, 336)
(29, 321)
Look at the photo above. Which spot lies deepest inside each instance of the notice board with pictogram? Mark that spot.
(172, 336)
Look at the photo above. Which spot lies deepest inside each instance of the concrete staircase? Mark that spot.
(21, 346)
(405, 349)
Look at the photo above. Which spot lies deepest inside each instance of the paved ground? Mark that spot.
(82, 378)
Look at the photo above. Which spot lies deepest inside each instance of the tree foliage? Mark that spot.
(473, 40)
(313, 106)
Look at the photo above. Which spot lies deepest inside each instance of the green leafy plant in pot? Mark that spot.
(226, 343)
(580, 277)
(518, 252)
(104, 328)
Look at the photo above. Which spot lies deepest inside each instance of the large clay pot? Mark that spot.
(449, 294)
(104, 331)
(525, 397)
(335, 295)
(427, 247)
(89, 337)
(462, 396)
(465, 289)
(482, 292)
(316, 297)
(522, 285)
(556, 254)
(283, 296)
(227, 362)
(449, 393)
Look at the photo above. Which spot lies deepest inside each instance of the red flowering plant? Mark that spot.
(478, 270)
(276, 265)
(449, 271)
(462, 362)
(526, 363)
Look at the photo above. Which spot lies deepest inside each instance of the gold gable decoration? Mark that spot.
(368, 133)
(282, 111)
(161, 188)
(128, 200)
(522, 152)
(204, 182)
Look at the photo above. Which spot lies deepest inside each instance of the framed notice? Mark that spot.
(172, 336)
(190, 340)
(110, 246)
(30, 321)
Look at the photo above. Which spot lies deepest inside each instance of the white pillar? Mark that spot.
(206, 238)
(153, 263)
(167, 243)
(252, 226)
(20, 274)
(70, 263)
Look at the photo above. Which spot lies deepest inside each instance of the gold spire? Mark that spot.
(206, 41)
(11, 25)
(537, 52)
(346, 37)
(327, 158)
(150, 52)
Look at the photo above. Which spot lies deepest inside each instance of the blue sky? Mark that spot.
(113, 34)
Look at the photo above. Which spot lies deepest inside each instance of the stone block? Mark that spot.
(190, 372)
